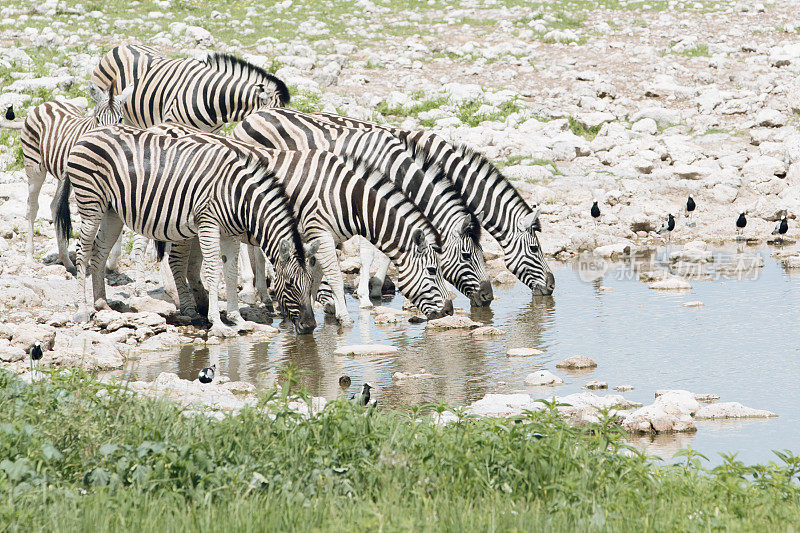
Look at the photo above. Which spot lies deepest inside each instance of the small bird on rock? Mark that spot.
(344, 381)
(782, 227)
(36, 351)
(10, 113)
(207, 374)
(741, 222)
(690, 206)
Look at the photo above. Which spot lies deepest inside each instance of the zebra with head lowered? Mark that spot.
(334, 203)
(49, 132)
(203, 94)
(173, 190)
(489, 194)
(461, 258)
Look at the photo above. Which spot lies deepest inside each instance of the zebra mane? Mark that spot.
(428, 162)
(241, 68)
(377, 180)
(264, 174)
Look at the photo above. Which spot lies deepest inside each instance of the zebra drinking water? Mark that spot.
(172, 190)
(49, 132)
(333, 203)
(500, 208)
(461, 259)
(203, 94)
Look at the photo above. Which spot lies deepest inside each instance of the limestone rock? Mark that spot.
(358, 350)
(542, 377)
(576, 362)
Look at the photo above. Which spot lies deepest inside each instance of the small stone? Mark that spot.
(671, 284)
(693, 303)
(623, 388)
(487, 331)
(354, 350)
(596, 385)
(523, 352)
(452, 322)
(576, 361)
(730, 410)
(542, 377)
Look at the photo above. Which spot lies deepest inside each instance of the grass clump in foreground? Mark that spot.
(76, 454)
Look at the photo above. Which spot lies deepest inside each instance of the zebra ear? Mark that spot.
(465, 225)
(419, 240)
(530, 222)
(285, 249)
(312, 249)
(124, 95)
(97, 94)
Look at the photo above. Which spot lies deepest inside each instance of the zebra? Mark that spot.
(203, 94)
(489, 194)
(173, 190)
(461, 259)
(334, 203)
(49, 131)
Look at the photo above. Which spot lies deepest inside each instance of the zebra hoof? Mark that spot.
(329, 309)
(388, 286)
(345, 321)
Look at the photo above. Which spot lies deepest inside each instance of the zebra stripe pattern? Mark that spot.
(461, 258)
(488, 194)
(203, 94)
(49, 132)
(173, 190)
(334, 203)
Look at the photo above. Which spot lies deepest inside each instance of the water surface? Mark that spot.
(742, 344)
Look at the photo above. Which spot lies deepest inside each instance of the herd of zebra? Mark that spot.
(291, 186)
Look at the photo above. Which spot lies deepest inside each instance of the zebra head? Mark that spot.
(463, 264)
(524, 256)
(419, 278)
(293, 284)
(108, 109)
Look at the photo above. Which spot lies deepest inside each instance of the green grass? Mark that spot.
(414, 109)
(582, 131)
(468, 112)
(78, 455)
(10, 138)
(701, 50)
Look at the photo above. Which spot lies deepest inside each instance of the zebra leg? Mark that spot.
(230, 248)
(247, 271)
(210, 245)
(376, 282)
(63, 251)
(110, 230)
(193, 276)
(36, 175)
(258, 263)
(367, 254)
(329, 262)
(325, 298)
(90, 223)
(116, 253)
(179, 265)
(138, 254)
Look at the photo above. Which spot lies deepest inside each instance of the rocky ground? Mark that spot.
(633, 104)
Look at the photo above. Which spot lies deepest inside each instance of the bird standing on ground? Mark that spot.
(690, 207)
(207, 374)
(36, 354)
(782, 227)
(595, 211)
(667, 226)
(10, 113)
(741, 222)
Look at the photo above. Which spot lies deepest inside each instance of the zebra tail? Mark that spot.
(63, 219)
(161, 248)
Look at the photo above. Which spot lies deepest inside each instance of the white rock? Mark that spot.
(646, 125)
(771, 118)
(730, 410)
(452, 322)
(523, 352)
(542, 377)
(576, 362)
(671, 284)
(502, 405)
(365, 349)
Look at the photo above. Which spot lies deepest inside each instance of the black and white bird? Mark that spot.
(344, 381)
(207, 374)
(782, 227)
(741, 222)
(36, 351)
(667, 226)
(595, 211)
(690, 206)
(363, 398)
(10, 113)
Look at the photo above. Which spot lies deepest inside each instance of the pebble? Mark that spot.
(487, 331)
(542, 377)
(453, 322)
(523, 352)
(693, 303)
(623, 388)
(596, 385)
